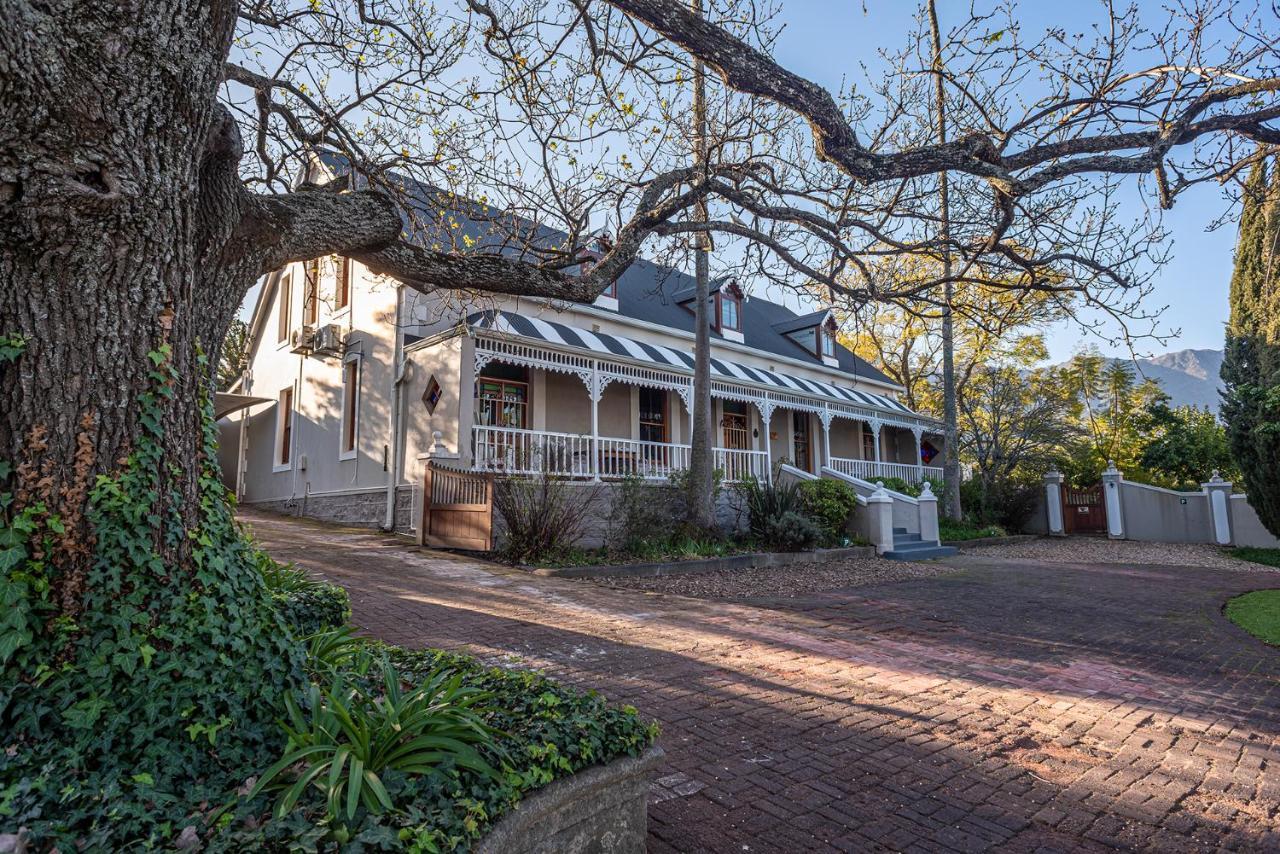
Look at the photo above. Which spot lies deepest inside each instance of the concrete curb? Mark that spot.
(753, 560)
(991, 541)
(602, 809)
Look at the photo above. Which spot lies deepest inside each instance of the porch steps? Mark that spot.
(910, 547)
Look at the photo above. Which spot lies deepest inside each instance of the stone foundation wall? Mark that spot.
(362, 509)
(731, 511)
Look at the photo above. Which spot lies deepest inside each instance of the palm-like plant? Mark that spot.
(349, 736)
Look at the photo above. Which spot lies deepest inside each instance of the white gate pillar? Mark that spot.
(1053, 502)
(1219, 492)
(1112, 481)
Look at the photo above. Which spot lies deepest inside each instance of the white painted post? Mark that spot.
(765, 408)
(595, 420)
(1112, 481)
(825, 418)
(928, 506)
(1053, 502)
(875, 437)
(918, 432)
(1219, 492)
(880, 519)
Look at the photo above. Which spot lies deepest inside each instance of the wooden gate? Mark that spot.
(457, 509)
(1084, 510)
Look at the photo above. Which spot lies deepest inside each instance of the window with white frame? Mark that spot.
(284, 430)
(350, 407)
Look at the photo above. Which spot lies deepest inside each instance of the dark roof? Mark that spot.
(646, 291)
(803, 321)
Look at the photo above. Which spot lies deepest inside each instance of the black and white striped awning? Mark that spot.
(601, 344)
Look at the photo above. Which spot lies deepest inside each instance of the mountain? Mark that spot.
(1190, 377)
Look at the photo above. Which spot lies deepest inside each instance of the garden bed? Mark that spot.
(738, 562)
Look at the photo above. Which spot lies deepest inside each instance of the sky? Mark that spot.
(827, 40)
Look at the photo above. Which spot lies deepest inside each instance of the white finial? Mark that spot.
(927, 492)
(1217, 477)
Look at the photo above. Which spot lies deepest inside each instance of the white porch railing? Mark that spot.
(870, 470)
(516, 451)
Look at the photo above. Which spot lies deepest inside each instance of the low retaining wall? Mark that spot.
(600, 810)
(365, 508)
(714, 564)
(990, 541)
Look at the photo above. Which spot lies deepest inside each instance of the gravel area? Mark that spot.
(1099, 550)
(797, 579)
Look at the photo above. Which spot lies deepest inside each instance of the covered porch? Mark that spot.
(538, 409)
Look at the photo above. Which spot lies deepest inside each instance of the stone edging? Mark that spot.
(603, 808)
(752, 560)
(991, 541)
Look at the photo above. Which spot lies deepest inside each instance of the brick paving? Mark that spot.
(1011, 705)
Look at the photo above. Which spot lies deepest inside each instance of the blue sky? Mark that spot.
(827, 42)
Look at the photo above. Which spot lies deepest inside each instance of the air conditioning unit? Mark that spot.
(328, 340)
(302, 340)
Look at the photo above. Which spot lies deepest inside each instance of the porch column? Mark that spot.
(875, 436)
(825, 417)
(765, 407)
(594, 390)
(918, 432)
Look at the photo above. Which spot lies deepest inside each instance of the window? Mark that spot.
(502, 397)
(285, 297)
(284, 429)
(350, 406)
(729, 313)
(342, 284)
(431, 397)
(828, 343)
(653, 415)
(311, 294)
(737, 435)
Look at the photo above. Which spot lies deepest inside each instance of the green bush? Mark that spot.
(545, 516)
(766, 502)
(352, 737)
(949, 529)
(829, 503)
(540, 731)
(306, 604)
(1007, 502)
(791, 532)
(641, 513)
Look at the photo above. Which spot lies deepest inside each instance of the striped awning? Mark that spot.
(602, 344)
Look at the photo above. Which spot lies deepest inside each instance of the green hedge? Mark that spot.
(308, 611)
(547, 732)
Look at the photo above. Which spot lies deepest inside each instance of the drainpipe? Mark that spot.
(397, 375)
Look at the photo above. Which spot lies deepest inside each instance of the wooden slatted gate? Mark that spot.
(1084, 510)
(457, 509)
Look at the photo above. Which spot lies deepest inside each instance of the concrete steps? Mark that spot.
(910, 547)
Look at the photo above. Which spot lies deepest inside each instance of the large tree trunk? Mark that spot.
(137, 643)
(107, 215)
(701, 485)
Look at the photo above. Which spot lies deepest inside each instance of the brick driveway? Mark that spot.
(1010, 705)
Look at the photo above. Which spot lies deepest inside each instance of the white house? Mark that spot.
(365, 378)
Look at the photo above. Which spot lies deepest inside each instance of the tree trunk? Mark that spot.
(701, 486)
(950, 430)
(123, 258)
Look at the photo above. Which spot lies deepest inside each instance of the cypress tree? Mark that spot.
(1251, 364)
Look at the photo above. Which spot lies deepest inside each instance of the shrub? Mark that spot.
(765, 502)
(351, 736)
(791, 532)
(829, 503)
(1007, 502)
(544, 515)
(306, 604)
(540, 731)
(640, 513)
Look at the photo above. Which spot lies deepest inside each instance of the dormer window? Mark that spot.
(828, 339)
(730, 311)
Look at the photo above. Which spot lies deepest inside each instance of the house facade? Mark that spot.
(366, 379)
